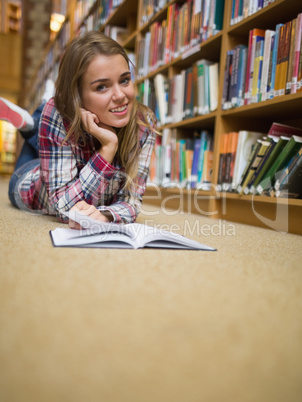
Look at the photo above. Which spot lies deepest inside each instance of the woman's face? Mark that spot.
(107, 90)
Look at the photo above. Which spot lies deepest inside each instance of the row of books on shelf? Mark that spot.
(262, 164)
(82, 9)
(106, 8)
(90, 23)
(192, 92)
(242, 9)
(270, 66)
(185, 27)
(91, 14)
(150, 8)
(185, 163)
(205, 15)
(249, 162)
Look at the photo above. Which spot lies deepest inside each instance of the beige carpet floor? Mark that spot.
(100, 325)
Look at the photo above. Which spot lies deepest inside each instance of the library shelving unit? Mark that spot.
(275, 213)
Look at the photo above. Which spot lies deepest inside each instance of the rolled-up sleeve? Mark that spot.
(128, 205)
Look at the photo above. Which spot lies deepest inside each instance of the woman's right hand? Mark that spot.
(106, 135)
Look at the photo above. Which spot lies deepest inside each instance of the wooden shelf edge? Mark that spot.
(152, 188)
(281, 215)
(267, 104)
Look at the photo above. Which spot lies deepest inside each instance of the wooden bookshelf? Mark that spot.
(278, 214)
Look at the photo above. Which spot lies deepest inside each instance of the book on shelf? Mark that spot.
(256, 35)
(282, 181)
(242, 9)
(257, 71)
(123, 236)
(205, 161)
(296, 57)
(222, 160)
(288, 82)
(266, 78)
(189, 155)
(161, 92)
(167, 156)
(284, 63)
(226, 101)
(187, 163)
(284, 129)
(231, 148)
(239, 82)
(263, 165)
(216, 17)
(188, 101)
(194, 169)
(274, 57)
(289, 183)
(257, 160)
(292, 146)
(207, 173)
(267, 51)
(252, 156)
(213, 86)
(245, 144)
(202, 106)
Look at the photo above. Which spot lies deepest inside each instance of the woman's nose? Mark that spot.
(118, 93)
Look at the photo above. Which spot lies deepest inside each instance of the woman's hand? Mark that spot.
(106, 135)
(88, 210)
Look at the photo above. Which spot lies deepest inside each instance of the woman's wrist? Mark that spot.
(108, 152)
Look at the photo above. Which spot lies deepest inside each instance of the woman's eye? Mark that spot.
(126, 80)
(100, 88)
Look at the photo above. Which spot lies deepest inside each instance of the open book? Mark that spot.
(112, 235)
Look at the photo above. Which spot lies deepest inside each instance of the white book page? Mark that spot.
(83, 238)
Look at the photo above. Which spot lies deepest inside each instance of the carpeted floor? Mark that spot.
(101, 325)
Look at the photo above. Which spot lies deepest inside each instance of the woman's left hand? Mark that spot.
(89, 210)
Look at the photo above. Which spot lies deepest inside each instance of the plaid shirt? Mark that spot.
(70, 172)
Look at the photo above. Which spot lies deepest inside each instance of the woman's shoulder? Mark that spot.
(50, 110)
(52, 122)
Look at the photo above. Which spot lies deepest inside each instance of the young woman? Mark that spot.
(94, 139)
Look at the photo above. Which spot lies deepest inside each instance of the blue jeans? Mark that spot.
(13, 193)
(28, 158)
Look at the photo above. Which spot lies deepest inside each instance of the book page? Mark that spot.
(62, 237)
(92, 226)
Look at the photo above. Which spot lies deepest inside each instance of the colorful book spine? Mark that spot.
(298, 37)
(266, 63)
(257, 70)
(274, 61)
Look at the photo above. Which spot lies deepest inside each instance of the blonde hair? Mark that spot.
(76, 59)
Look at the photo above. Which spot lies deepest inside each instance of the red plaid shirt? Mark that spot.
(73, 172)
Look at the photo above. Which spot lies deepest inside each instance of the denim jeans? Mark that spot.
(13, 193)
(27, 160)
